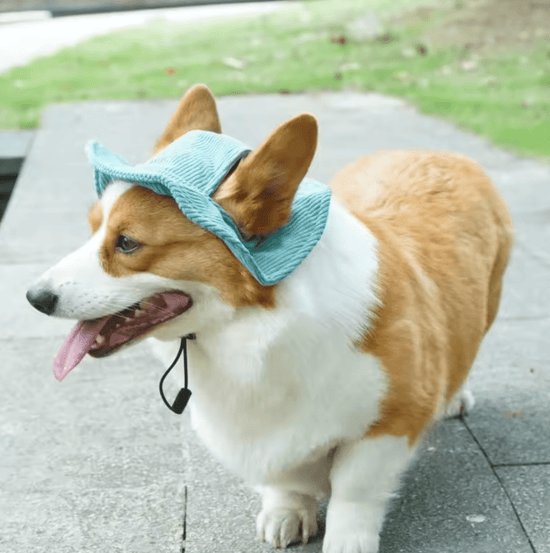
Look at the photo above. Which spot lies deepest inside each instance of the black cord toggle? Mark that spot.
(180, 403)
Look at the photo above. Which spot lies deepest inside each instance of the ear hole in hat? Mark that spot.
(260, 192)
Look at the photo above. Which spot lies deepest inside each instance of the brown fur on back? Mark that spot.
(444, 240)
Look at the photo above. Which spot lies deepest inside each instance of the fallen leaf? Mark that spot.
(234, 63)
(169, 70)
(338, 39)
(386, 38)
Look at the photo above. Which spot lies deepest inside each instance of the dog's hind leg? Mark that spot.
(461, 404)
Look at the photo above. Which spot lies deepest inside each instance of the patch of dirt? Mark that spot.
(484, 25)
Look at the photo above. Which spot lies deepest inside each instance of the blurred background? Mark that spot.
(84, 465)
(482, 64)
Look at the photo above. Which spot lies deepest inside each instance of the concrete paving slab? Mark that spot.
(15, 143)
(529, 488)
(450, 501)
(511, 383)
(526, 292)
(14, 146)
(67, 434)
(352, 119)
(513, 428)
(513, 356)
(19, 319)
(90, 464)
(42, 237)
(534, 237)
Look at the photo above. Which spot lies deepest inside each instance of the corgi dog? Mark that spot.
(325, 382)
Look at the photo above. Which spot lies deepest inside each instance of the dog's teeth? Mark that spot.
(127, 319)
(138, 312)
(100, 339)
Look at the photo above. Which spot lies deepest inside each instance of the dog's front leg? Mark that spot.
(286, 517)
(364, 476)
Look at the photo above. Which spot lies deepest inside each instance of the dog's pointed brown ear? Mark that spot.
(196, 111)
(259, 194)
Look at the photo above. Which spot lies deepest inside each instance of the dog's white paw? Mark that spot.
(352, 527)
(461, 404)
(349, 542)
(281, 522)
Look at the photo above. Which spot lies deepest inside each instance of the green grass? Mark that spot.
(504, 96)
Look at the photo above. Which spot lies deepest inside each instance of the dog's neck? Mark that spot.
(340, 302)
(251, 367)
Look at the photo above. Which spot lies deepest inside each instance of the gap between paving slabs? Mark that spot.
(500, 481)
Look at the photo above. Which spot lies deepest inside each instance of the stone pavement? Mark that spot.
(98, 464)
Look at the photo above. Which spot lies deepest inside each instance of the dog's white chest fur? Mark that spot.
(272, 388)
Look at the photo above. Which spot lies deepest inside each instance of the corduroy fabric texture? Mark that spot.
(191, 169)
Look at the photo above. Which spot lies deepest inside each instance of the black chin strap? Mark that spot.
(180, 403)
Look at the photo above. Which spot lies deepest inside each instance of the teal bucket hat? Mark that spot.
(190, 170)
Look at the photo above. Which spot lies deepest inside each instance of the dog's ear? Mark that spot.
(259, 194)
(196, 111)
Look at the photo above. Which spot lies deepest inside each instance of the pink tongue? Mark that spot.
(76, 346)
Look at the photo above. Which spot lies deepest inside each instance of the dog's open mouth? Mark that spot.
(103, 336)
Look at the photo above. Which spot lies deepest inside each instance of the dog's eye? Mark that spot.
(127, 245)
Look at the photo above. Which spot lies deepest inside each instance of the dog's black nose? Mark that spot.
(43, 300)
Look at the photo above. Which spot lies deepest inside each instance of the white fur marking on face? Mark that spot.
(87, 292)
